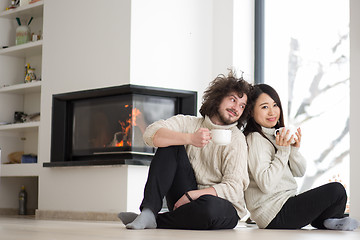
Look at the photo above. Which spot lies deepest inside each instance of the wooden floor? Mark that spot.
(28, 228)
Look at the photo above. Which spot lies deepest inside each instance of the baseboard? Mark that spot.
(72, 215)
(15, 211)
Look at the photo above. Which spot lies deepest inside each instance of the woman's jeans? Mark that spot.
(312, 207)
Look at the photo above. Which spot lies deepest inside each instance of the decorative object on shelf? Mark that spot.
(29, 158)
(24, 2)
(20, 157)
(23, 33)
(21, 117)
(27, 66)
(33, 1)
(33, 117)
(14, 4)
(22, 201)
(30, 75)
(34, 37)
(15, 157)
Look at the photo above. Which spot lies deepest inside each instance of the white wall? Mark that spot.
(92, 189)
(171, 43)
(83, 49)
(179, 43)
(244, 39)
(354, 109)
(90, 44)
(223, 36)
(86, 46)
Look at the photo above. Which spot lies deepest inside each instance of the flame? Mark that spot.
(126, 126)
(135, 112)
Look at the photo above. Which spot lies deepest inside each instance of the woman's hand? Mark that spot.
(282, 136)
(298, 140)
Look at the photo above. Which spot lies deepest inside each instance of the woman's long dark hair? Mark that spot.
(252, 125)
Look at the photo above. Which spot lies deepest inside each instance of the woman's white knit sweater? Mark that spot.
(271, 174)
(222, 167)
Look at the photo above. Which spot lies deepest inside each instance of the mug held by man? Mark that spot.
(221, 136)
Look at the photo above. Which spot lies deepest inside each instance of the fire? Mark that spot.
(126, 127)
(120, 144)
(135, 112)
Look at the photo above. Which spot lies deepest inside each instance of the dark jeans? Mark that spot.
(171, 175)
(312, 207)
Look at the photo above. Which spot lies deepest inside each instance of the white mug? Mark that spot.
(221, 136)
(293, 130)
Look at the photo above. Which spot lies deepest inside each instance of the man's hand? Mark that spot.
(194, 194)
(165, 137)
(183, 200)
(200, 138)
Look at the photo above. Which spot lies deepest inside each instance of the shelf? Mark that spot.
(19, 96)
(20, 126)
(23, 88)
(20, 170)
(31, 10)
(24, 50)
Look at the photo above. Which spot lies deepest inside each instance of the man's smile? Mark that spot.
(232, 112)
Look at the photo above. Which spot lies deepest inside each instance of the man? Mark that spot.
(203, 183)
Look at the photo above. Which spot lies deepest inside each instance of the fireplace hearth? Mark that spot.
(105, 126)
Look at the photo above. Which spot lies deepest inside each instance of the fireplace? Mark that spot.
(105, 126)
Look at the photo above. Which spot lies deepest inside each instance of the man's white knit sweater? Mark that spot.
(222, 167)
(271, 174)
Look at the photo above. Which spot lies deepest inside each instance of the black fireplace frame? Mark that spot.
(186, 103)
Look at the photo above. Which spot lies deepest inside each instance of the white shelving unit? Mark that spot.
(23, 50)
(22, 88)
(15, 95)
(20, 126)
(20, 170)
(31, 10)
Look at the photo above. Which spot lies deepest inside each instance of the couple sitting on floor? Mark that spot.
(206, 185)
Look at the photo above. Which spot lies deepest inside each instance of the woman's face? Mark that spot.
(266, 111)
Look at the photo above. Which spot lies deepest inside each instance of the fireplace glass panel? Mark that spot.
(115, 124)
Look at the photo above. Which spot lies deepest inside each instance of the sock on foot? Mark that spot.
(127, 217)
(345, 224)
(146, 220)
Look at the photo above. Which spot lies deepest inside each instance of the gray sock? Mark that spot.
(127, 217)
(146, 219)
(345, 224)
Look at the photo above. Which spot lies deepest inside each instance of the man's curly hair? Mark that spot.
(221, 87)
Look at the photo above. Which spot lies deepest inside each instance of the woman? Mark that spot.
(273, 163)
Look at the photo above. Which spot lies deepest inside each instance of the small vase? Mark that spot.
(22, 34)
